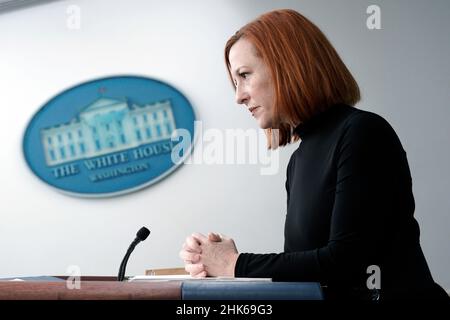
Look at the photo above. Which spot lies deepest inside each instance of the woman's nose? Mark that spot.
(242, 96)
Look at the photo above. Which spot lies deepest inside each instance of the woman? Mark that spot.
(349, 196)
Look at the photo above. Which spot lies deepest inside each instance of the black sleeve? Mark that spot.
(365, 161)
(289, 174)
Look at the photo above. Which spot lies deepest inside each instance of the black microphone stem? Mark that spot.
(141, 235)
(123, 265)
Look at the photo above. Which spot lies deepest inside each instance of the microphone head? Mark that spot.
(142, 234)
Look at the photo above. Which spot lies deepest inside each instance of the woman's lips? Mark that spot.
(253, 109)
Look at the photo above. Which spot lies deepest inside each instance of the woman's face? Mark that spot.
(254, 85)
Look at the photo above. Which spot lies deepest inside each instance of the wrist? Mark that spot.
(233, 261)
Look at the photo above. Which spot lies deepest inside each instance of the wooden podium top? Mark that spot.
(90, 290)
(108, 288)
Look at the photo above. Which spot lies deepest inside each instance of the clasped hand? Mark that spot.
(213, 255)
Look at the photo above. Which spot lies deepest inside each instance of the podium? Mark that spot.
(108, 288)
(91, 288)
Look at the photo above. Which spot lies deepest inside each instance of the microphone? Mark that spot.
(141, 235)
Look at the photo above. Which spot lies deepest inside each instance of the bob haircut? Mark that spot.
(307, 72)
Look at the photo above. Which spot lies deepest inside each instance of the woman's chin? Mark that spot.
(264, 124)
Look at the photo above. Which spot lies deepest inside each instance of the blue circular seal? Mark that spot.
(108, 136)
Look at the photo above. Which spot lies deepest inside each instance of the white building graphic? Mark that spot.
(106, 126)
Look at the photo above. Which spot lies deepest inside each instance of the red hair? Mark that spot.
(307, 72)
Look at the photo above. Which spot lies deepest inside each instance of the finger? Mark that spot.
(189, 256)
(200, 237)
(188, 248)
(181, 255)
(214, 237)
(194, 268)
(200, 275)
(185, 246)
(224, 237)
(193, 245)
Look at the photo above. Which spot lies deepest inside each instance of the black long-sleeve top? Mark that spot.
(349, 206)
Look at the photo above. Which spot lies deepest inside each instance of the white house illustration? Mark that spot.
(106, 126)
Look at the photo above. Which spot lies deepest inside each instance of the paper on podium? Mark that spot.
(184, 277)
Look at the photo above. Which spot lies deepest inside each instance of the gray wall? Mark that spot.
(403, 71)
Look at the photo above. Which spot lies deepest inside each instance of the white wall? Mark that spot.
(402, 69)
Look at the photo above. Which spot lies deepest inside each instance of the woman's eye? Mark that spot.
(243, 75)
